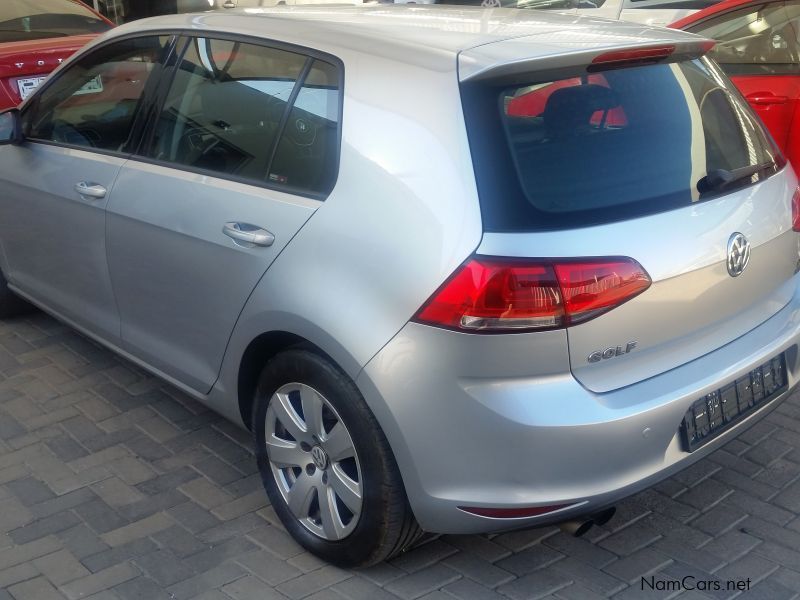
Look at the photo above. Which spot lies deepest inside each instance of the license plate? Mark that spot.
(715, 413)
(27, 85)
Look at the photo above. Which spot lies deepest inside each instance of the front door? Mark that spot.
(53, 220)
(240, 156)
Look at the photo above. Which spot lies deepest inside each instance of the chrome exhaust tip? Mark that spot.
(577, 527)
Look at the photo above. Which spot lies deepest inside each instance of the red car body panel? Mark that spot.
(35, 58)
(775, 98)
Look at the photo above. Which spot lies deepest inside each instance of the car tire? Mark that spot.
(11, 305)
(308, 472)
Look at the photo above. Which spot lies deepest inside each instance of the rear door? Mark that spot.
(663, 164)
(243, 151)
(758, 48)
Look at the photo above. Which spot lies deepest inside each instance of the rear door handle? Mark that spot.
(90, 190)
(249, 234)
(766, 98)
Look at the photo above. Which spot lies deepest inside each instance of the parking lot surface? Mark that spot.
(114, 485)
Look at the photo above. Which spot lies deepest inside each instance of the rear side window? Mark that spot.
(255, 113)
(602, 147)
(22, 20)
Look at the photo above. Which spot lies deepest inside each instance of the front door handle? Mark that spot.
(90, 190)
(766, 98)
(249, 234)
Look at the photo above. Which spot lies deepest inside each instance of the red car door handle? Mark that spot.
(766, 98)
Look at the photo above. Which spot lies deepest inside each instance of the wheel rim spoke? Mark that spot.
(312, 411)
(288, 417)
(300, 496)
(348, 490)
(283, 453)
(338, 444)
(329, 515)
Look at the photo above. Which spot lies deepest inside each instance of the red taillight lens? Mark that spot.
(796, 210)
(592, 288)
(494, 295)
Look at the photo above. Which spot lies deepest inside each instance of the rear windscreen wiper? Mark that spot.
(718, 180)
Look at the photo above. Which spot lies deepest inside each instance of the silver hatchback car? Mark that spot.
(458, 270)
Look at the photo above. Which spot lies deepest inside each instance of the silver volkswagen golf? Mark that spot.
(458, 270)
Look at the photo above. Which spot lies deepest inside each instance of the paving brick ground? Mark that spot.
(115, 486)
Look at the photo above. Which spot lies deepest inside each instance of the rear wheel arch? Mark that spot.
(258, 352)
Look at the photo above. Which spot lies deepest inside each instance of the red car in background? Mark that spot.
(35, 37)
(758, 46)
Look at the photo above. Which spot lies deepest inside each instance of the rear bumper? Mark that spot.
(495, 421)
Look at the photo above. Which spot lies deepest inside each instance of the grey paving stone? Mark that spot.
(268, 567)
(421, 582)
(424, 556)
(529, 560)
(252, 588)
(44, 527)
(466, 589)
(111, 556)
(30, 489)
(193, 517)
(38, 588)
(213, 578)
(61, 503)
(102, 580)
(482, 571)
(179, 541)
(163, 567)
(100, 516)
(140, 588)
(358, 588)
(219, 553)
(630, 539)
(581, 549)
(536, 585)
(634, 566)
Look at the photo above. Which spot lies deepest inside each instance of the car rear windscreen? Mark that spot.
(605, 146)
(22, 20)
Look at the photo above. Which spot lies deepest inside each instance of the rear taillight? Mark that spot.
(796, 210)
(505, 295)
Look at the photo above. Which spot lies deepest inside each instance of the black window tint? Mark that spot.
(306, 156)
(94, 102)
(613, 145)
(228, 112)
(39, 19)
(756, 39)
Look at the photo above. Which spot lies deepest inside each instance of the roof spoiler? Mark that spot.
(494, 61)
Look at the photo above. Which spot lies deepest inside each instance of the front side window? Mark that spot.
(22, 20)
(93, 103)
(603, 147)
(251, 112)
(756, 39)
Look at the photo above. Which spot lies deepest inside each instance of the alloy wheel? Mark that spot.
(314, 462)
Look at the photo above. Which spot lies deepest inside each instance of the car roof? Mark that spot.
(417, 31)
